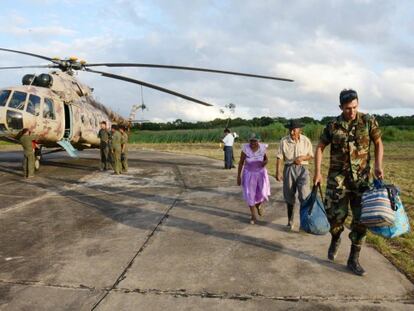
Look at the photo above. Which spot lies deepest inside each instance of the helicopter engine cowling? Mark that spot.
(28, 79)
(43, 80)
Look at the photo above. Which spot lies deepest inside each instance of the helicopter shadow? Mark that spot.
(143, 218)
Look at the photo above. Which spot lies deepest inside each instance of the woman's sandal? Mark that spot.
(260, 210)
(252, 221)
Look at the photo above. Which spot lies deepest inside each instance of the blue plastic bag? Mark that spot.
(401, 224)
(313, 217)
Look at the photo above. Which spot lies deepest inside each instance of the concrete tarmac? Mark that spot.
(171, 234)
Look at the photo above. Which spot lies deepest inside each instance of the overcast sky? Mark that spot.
(324, 46)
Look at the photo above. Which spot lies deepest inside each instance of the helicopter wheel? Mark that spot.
(37, 163)
(38, 157)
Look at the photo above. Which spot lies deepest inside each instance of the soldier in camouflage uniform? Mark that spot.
(116, 149)
(124, 149)
(350, 136)
(26, 140)
(103, 135)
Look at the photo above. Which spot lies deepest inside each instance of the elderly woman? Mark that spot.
(254, 180)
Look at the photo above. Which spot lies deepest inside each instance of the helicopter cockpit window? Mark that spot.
(33, 106)
(4, 96)
(18, 100)
(48, 109)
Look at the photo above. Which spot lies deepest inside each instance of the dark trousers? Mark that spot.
(228, 157)
(29, 165)
(104, 156)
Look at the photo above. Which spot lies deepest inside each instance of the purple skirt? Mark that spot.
(255, 183)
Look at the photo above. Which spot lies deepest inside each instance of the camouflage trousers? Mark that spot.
(124, 161)
(337, 204)
(29, 165)
(104, 156)
(117, 165)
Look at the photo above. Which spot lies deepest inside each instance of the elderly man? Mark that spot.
(295, 150)
(350, 136)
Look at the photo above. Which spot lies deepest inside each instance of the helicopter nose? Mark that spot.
(3, 127)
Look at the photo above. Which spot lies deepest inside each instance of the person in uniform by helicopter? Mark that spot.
(228, 142)
(104, 137)
(116, 149)
(124, 149)
(26, 140)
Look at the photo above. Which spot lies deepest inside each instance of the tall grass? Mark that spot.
(270, 133)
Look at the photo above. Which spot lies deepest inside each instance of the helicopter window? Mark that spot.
(14, 120)
(33, 106)
(48, 109)
(4, 96)
(18, 100)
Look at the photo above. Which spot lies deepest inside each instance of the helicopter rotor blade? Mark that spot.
(188, 68)
(27, 53)
(35, 66)
(149, 85)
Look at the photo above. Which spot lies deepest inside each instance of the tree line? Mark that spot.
(384, 120)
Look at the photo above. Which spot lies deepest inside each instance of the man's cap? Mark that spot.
(254, 136)
(293, 124)
(347, 95)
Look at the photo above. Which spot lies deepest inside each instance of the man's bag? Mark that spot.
(313, 217)
(377, 210)
(401, 224)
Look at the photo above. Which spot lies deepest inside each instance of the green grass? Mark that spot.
(268, 133)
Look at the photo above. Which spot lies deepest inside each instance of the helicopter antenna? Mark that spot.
(142, 98)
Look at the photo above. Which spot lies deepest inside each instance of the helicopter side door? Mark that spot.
(33, 120)
(52, 124)
(68, 121)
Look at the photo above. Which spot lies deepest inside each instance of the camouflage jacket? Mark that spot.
(350, 149)
(124, 141)
(26, 141)
(103, 135)
(116, 140)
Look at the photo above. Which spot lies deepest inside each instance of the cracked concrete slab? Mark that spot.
(156, 302)
(45, 298)
(171, 234)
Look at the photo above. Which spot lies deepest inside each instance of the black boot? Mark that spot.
(290, 215)
(353, 263)
(334, 246)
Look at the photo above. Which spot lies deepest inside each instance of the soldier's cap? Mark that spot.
(254, 136)
(347, 95)
(293, 124)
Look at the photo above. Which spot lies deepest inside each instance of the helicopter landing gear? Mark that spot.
(38, 157)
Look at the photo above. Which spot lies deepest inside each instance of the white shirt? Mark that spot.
(289, 149)
(228, 140)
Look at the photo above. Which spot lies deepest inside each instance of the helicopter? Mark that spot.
(62, 112)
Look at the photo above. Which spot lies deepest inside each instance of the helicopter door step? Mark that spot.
(65, 144)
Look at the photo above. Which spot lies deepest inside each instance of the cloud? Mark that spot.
(324, 45)
(39, 31)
